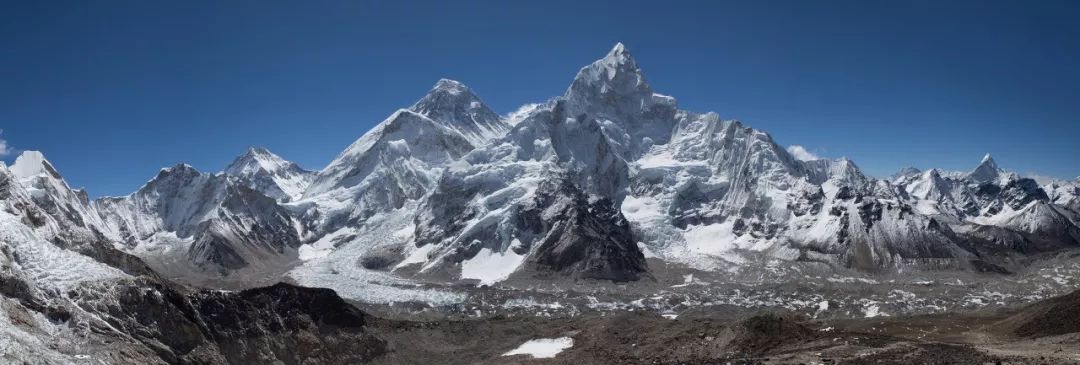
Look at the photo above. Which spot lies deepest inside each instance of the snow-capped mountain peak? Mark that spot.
(617, 74)
(905, 173)
(987, 171)
(612, 93)
(270, 174)
(256, 158)
(456, 107)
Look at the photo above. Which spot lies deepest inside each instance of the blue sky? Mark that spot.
(112, 91)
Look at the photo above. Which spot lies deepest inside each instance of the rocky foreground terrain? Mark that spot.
(148, 322)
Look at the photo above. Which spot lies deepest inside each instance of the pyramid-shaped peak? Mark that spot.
(988, 162)
(619, 56)
(453, 105)
(447, 93)
(616, 74)
(256, 151)
(907, 172)
(449, 85)
(257, 158)
(618, 50)
(987, 171)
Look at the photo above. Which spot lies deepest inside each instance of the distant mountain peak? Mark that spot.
(270, 174)
(453, 105)
(451, 86)
(617, 73)
(446, 94)
(987, 171)
(257, 158)
(617, 50)
(906, 172)
(257, 151)
(620, 55)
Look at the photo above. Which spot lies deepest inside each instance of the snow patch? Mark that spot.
(309, 252)
(543, 348)
(641, 209)
(491, 267)
(872, 310)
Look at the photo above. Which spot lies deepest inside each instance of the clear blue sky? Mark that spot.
(112, 91)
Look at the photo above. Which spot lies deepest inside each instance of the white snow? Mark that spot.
(543, 348)
(46, 264)
(711, 239)
(491, 267)
(640, 209)
(310, 252)
(520, 114)
(28, 164)
(872, 310)
(270, 174)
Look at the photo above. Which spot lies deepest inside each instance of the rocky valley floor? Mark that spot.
(678, 316)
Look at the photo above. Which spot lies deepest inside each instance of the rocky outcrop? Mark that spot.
(277, 324)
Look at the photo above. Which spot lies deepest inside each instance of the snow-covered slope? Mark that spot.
(1065, 193)
(185, 222)
(270, 174)
(73, 217)
(400, 160)
(549, 192)
(456, 107)
(701, 190)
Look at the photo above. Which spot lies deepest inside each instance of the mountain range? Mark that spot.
(587, 185)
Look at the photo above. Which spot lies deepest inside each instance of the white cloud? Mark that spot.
(1043, 179)
(5, 150)
(801, 153)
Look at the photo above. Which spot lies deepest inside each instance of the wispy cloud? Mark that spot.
(5, 150)
(802, 153)
(1043, 179)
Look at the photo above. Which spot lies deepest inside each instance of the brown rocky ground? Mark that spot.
(148, 322)
(1042, 333)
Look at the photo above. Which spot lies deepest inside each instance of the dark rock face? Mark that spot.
(103, 251)
(278, 324)
(563, 232)
(584, 240)
(251, 225)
